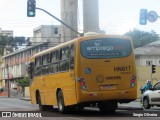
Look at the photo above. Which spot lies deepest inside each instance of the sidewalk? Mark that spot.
(25, 98)
(3, 93)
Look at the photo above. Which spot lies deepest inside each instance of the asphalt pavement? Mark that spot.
(135, 105)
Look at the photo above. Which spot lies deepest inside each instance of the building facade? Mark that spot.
(69, 16)
(47, 33)
(147, 56)
(14, 65)
(7, 33)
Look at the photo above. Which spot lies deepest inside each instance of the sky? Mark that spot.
(115, 16)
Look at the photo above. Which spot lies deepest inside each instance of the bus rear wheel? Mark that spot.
(107, 106)
(60, 101)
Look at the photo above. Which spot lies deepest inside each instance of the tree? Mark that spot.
(11, 43)
(141, 38)
(24, 82)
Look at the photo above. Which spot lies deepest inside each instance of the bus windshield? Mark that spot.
(106, 48)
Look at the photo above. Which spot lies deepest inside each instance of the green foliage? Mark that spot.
(24, 82)
(11, 43)
(141, 38)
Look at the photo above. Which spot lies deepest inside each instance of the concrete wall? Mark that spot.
(69, 16)
(27, 93)
(91, 16)
(142, 60)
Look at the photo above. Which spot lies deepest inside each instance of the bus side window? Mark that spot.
(45, 64)
(31, 71)
(72, 52)
(54, 61)
(37, 71)
(64, 59)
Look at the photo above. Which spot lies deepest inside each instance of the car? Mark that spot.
(151, 97)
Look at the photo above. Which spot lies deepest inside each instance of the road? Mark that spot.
(125, 111)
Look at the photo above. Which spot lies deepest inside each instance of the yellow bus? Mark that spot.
(91, 70)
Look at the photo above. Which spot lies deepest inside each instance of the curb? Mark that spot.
(27, 99)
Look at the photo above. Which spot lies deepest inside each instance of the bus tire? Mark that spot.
(41, 107)
(60, 102)
(107, 106)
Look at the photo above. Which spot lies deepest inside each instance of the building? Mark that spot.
(147, 56)
(1, 81)
(7, 33)
(14, 65)
(47, 33)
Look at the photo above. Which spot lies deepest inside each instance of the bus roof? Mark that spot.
(79, 38)
(53, 48)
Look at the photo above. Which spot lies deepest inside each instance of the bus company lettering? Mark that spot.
(100, 47)
(113, 77)
(122, 68)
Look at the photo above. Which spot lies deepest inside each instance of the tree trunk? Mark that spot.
(23, 88)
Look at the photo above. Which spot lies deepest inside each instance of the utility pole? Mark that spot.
(8, 81)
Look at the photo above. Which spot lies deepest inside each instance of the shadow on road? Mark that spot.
(87, 113)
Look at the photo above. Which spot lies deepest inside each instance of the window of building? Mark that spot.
(148, 63)
(37, 49)
(55, 30)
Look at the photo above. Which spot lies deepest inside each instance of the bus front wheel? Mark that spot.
(41, 107)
